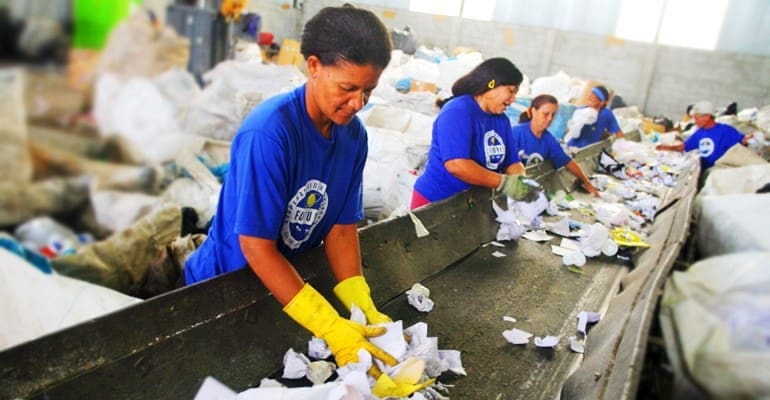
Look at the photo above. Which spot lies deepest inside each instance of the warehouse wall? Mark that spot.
(659, 79)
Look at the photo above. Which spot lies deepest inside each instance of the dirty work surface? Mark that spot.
(531, 285)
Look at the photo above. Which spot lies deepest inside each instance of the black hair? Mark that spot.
(347, 34)
(537, 102)
(491, 73)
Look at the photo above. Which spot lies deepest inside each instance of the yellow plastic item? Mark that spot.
(344, 337)
(628, 238)
(356, 291)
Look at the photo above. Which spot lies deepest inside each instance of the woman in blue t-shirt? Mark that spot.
(472, 143)
(295, 181)
(536, 144)
(605, 120)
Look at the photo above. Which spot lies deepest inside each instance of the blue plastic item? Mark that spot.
(38, 260)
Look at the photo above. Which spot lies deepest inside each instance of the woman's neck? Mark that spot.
(319, 120)
(538, 133)
(481, 102)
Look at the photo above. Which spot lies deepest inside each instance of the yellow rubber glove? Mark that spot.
(387, 387)
(344, 337)
(354, 290)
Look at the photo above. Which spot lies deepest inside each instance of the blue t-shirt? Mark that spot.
(286, 183)
(590, 134)
(713, 143)
(533, 151)
(463, 130)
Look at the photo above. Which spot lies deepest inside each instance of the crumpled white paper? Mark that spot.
(510, 227)
(528, 212)
(294, 364)
(419, 297)
(392, 342)
(317, 349)
(592, 244)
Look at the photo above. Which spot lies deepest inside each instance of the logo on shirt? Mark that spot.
(706, 147)
(494, 149)
(534, 159)
(306, 209)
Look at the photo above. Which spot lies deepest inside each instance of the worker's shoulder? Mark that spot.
(279, 109)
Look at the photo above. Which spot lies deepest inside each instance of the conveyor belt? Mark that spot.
(231, 328)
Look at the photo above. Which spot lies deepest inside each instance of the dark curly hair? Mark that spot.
(347, 34)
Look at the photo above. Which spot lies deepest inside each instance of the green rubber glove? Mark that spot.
(344, 337)
(354, 290)
(519, 187)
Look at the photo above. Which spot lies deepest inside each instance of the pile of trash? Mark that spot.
(632, 191)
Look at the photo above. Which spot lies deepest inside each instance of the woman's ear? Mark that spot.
(313, 66)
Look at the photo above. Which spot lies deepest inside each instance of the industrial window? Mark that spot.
(475, 9)
(687, 23)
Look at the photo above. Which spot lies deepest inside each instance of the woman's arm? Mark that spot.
(472, 173)
(272, 268)
(575, 169)
(343, 251)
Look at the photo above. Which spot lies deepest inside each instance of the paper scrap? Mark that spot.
(576, 345)
(570, 244)
(212, 389)
(392, 342)
(509, 319)
(499, 254)
(537, 236)
(517, 336)
(294, 364)
(575, 258)
(510, 227)
(319, 371)
(547, 341)
(419, 227)
(317, 349)
(418, 297)
(586, 317)
(453, 360)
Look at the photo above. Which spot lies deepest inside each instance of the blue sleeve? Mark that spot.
(557, 155)
(691, 143)
(612, 122)
(262, 188)
(735, 136)
(354, 202)
(512, 149)
(454, 130)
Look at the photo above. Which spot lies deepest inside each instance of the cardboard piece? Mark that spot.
(421, 86)
(289, 53)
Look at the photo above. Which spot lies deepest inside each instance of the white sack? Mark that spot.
(715, 319)
(36, 304)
